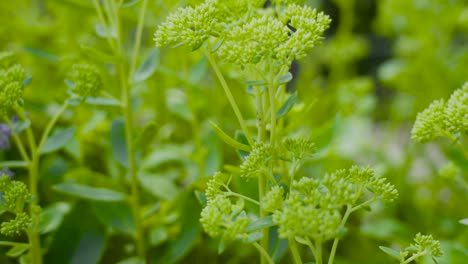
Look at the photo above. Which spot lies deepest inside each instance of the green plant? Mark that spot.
(424, 246)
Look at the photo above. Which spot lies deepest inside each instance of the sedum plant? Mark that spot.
(260, 44)
(424, 246)
(16, 199)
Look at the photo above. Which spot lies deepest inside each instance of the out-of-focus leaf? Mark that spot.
(464, 221)
(58, 139)
(261, 223)
(102, 101)
(17, 250)
(157, 236)
(52, 216)
(130, 3)
(90, 193)
(103, 32)
(147, 136)
(148, 67)
(116, 215)
(118, 142)
(240, 137)
(176, 102)
(201, 197)
(287, 106)
(158, 185)
(391, 252)
(285, 78)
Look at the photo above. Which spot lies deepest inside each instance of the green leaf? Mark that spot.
(17, 251)
(118, 142)
(252, 237)
(116, 215)
(157, 236)
(146, 136)
(130, 3)
(102, 32)
(21, 125)
(102, 101)
(158, 185)
(59, 138)
(285, 78)
(148, 67)
(177, 104)
(90, 193)
(391, 252)
(261, 223)
(434, 260)
(464, 221)
(287, 106)
(240, 137)
(228, 140)
(201, 197)
(52, 216)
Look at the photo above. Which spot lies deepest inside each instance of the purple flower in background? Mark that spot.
(5, 134)
(8, 172)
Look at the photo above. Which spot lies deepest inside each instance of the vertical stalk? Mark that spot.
(33, 236)
(348, 212)
(230, 97)
(318, 252)
(271, 92)
(295, 251)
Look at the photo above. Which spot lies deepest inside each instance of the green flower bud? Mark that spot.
(256, 161)
(86, 80)
(273, 200)
(17, 226)
(11, 88)
(429, 123)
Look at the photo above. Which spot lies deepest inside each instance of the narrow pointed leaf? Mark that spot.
(229, 140)
(90, 193)
(391, 252)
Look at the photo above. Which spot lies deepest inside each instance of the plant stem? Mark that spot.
(263, 253)
(318, 251)
(415, 256)
(295, 251)
(271, 92)
(136, 47)
(33, 236)
(243, 197)
(348, 212)
(229, 96)
(266, 233)
(14, 164)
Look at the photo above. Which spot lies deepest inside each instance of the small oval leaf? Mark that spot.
(148, 67)
(391, 252)
(287, 106)
(118, 142)
(59, 138)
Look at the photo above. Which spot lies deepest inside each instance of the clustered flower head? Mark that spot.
(299, 148)
(312, 208)
(442, 118)
(86, 79)
(221, 217)
(248, 33)
(425, 245)
(15, 196)
(190, 26)
(12, 76)
(257, 160)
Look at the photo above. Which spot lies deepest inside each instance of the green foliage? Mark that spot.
(12, 76)
(86, 80)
